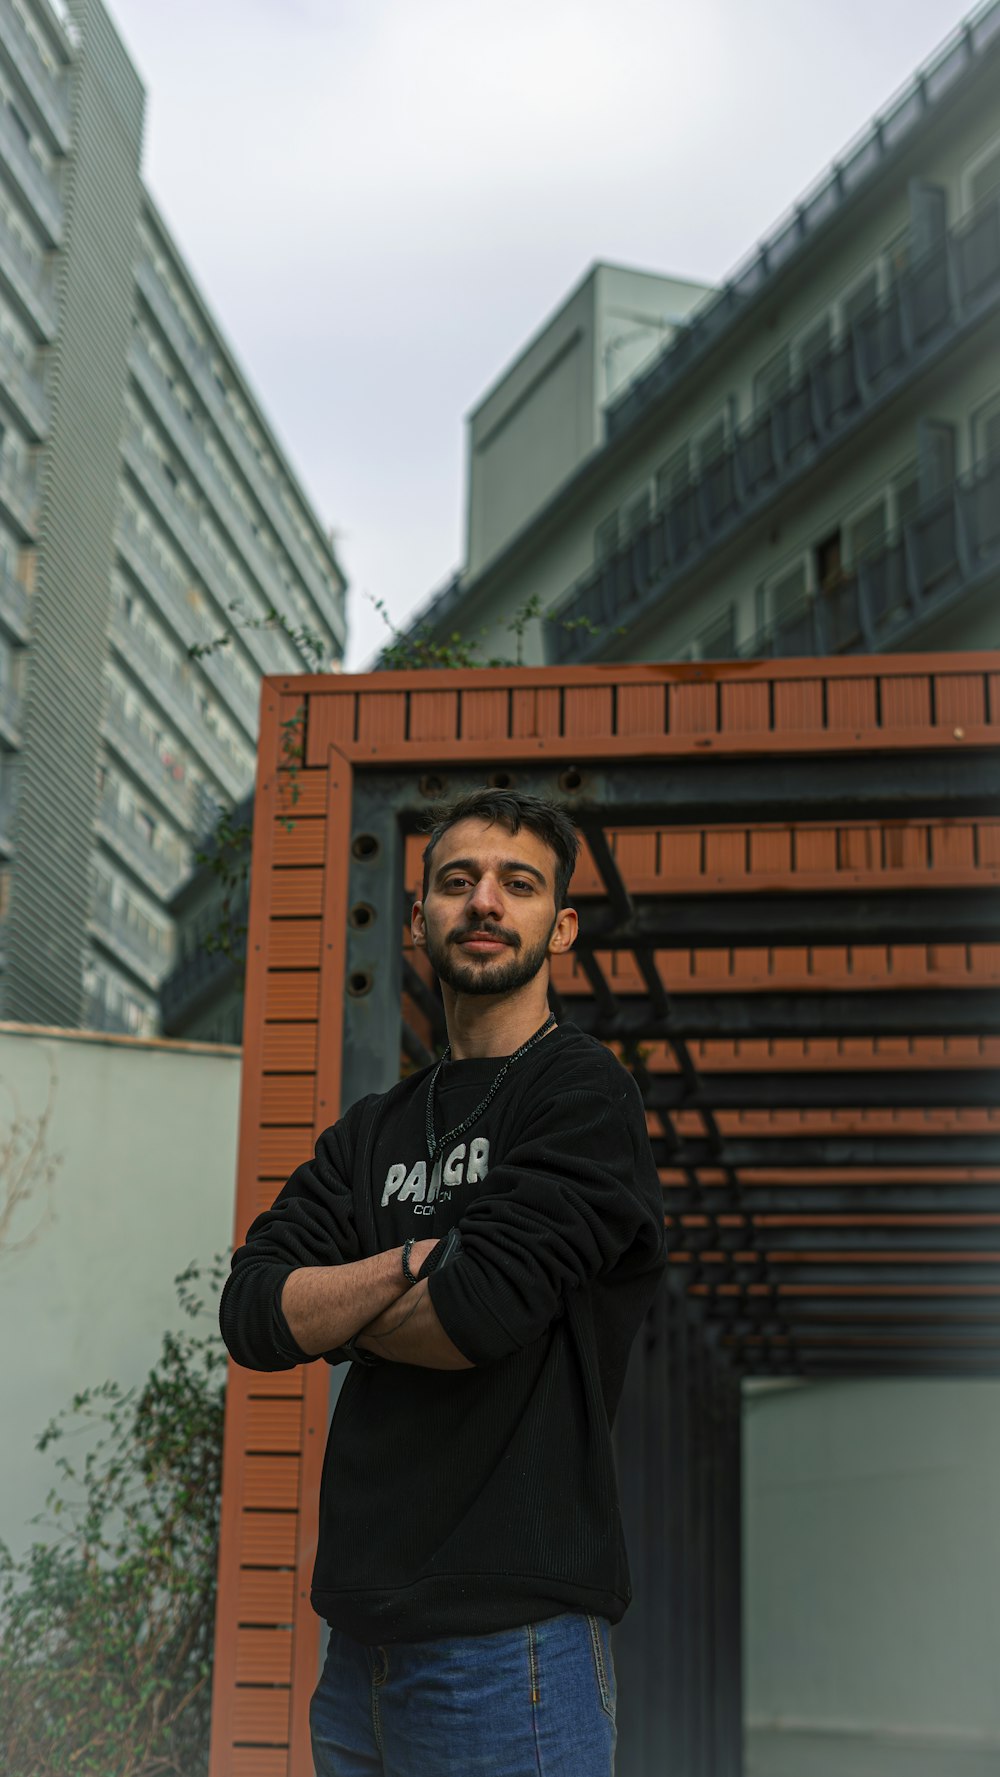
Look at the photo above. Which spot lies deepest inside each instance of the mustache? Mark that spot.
(506, 937)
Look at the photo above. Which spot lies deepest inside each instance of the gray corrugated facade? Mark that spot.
(142, 496)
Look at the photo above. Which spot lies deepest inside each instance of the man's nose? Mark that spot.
(485, 898)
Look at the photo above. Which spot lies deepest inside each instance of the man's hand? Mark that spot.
(325, 1305)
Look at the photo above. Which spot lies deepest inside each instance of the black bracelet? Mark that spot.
(408, 1246)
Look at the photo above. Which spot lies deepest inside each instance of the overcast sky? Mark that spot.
(382, 199)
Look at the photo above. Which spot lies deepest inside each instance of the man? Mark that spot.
(481, 1243)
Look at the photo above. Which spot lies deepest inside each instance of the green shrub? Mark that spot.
(106, 1628)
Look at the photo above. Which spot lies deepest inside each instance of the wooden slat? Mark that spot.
(274, 1426)
(289, 1048)
(263, 1656)
(271, 1483)
(291, 995)
(260, 1714)
(267, 1538)
(266, 1596)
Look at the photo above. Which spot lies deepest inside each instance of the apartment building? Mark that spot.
(809, 462)
(146, 508)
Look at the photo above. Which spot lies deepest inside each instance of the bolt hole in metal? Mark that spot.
(570, 779)
(365, 847)
(500, 780)
(431, 785)
(361, 914)
(359, 982)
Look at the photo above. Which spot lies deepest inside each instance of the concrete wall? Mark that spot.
(143, 1136)
(872, 1604)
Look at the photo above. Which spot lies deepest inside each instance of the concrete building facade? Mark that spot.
(810, 463)
(145, 508)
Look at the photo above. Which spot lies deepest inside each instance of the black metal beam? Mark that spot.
(746, 1314)
(872, 1274)
(879, 1363)
(972, 1239)
(950, 1148)
(965, 1198)
(858, 1012)
(832, 1088)
(930, 784)
(712, 921)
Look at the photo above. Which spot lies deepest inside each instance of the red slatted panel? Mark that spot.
(434, 715)
(267, 1637)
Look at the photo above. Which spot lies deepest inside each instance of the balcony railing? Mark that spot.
(19, 497)
(187, 439)
(201, 974)
(98, 1015)
(11, 704)
(143, 757)
(135, 550)
(925, 312)
(159, 870)
(38, 192)
(15, 607)
(24, 391)
(48, 90)
(862, 160)
(126, 942)
(175, 516)
(31, 281)
(951, 545)
(178, 703)
(196, 362)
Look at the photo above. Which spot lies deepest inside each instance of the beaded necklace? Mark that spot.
(460, 1128)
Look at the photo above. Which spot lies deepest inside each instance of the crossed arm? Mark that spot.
(370, 1301)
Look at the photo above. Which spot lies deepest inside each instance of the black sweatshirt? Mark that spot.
(460, 1502)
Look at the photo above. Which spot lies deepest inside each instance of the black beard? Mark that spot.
(493, 975)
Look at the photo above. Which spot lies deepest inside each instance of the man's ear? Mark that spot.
(418, 930)
(564, 931)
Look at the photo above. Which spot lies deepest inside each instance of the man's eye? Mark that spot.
(456, 882)
(521, 882)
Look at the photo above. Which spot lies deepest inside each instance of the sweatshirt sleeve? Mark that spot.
(576, 1196)
(311, 1222)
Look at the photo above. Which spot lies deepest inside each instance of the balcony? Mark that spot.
(143, 758)
(15, 608)
(195, 361)
(11, 701)
(127, 943)
(862, 161)
(951, 547)
(168, 598)
(30, 283)
(24, 392)
(31, 184)
(933, 305)
(182, 525)
(7, 803)
(201, 976)
(160, 872)
(177, 702)
(19, 497)
(48, 91)
(98, 1015)
(185, 436)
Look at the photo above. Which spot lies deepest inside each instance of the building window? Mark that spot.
(773, 379)
(986, 429)
(981, 178)
(606, 538)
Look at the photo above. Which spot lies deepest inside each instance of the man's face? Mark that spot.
(488, 920)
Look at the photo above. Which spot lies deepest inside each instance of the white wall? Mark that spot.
(143, 1133)
(872, 1603)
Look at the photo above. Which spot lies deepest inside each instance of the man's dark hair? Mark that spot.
(508, 808)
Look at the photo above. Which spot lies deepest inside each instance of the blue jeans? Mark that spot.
(532, 1702)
